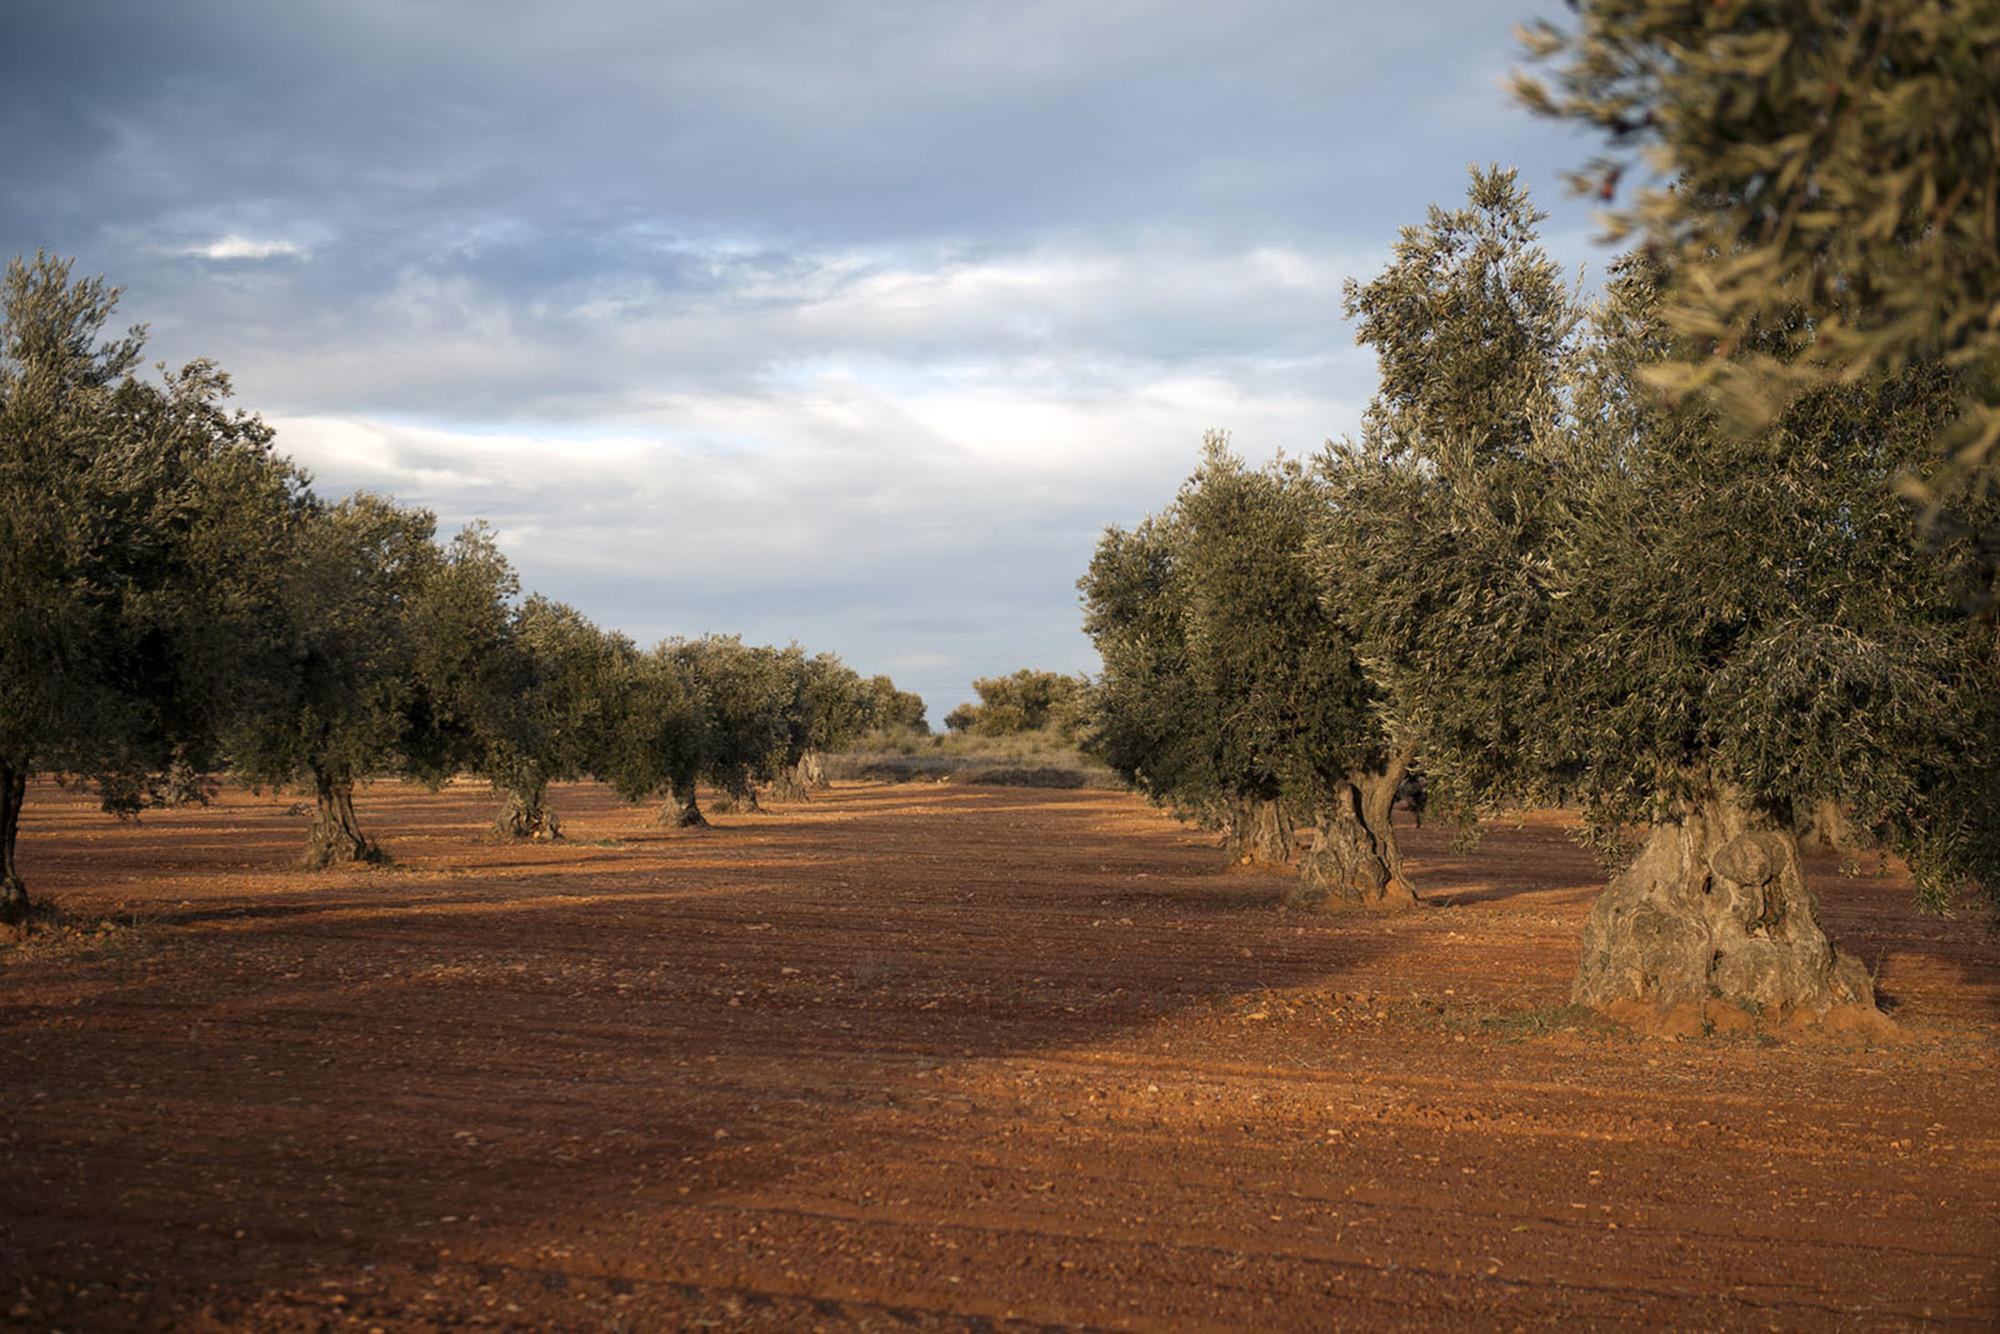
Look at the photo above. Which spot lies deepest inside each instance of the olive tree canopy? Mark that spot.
(1839, 158)
(341, 698)
(1027, 700)
(135, 523)
(549, 711)
(891, 709)
(1231, 686)
(655, 750)
(1686, 630)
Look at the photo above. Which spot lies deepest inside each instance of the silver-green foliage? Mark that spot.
(550, 709)
(1027, 700)
(1227, 675)
(1624, 604)
(340, 686)
(135, 518)
(1442, 523)
(1837, 157)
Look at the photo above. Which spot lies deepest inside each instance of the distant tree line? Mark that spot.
(1545, 581)
(176, 601)
(1028, 700)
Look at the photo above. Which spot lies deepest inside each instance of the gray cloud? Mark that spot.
(849, 322)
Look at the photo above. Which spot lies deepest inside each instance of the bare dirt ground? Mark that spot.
(927, 1056)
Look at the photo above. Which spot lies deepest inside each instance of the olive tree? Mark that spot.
(1276, 717)
(1687, 631)
(828, 708)
(655, 751)
(1476, 340)
(744, 693)
(1761, 636)
(890, 709)
(341, 699)
(550, 713)
(133, 519)
(1296, 702)
(1151, 721)
(1027, 700)
(458, 621)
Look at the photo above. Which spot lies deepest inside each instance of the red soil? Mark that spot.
(940, 1057)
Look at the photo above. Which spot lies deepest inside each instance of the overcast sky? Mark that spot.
(849, 323)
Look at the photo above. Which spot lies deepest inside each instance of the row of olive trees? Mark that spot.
(175, 601)
(1547, 582)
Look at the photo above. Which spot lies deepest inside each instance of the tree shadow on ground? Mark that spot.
(490, 1065)
(267, 1091)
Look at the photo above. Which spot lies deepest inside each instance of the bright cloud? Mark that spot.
(233, 246)
(845, 322)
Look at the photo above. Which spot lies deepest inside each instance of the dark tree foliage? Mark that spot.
(830, 705)
(459, 622)
(132, 521)
(342, 699)
(208, 622)
(1620, 603)
(744, 693)
(1230, 682)
(1475, 334)
(1839, 157)
(656, 749)
(1150, 721)
(550, 713)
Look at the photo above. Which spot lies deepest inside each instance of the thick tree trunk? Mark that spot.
(1257, 833)
(791, 785)
(336, 838)
(1715, 908)
(527, 816)
(682, 811)
(812, 771)
(1829, 829)
(1355, 861)
(1413, 796)
(185, 784)
(13, 894)
(738, 801)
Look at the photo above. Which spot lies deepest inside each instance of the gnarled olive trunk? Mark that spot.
(681, 810)
(1257, 832)
(184, 783)
(812, 771)
(336, 838)
(527, 816)
(1715, 908)
(791, 784)
(1413, 796)
(738, 801)
(13, 894)
(1829, 829)
(1355, 861)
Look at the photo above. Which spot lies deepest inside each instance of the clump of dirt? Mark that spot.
(51, 932)
(1720, 1018)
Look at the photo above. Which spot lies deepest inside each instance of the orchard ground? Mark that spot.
(942, 1057)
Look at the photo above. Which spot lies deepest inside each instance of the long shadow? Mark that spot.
(307, 1092)
(445, 1078)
